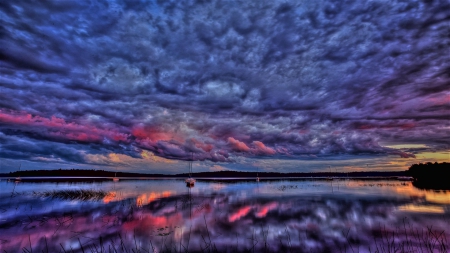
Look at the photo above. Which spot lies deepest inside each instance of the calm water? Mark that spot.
(269, 216)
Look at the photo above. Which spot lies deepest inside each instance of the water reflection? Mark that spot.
(164, 215)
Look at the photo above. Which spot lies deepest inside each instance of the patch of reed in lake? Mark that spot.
(79, 194)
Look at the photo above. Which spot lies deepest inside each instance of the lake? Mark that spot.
(163, 215)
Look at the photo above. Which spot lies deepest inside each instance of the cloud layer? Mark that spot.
(216, 80)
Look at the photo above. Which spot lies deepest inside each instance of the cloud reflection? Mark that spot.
(236, 217)
(224, 80)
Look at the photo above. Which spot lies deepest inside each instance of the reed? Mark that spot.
(415, 240)
(410, 239)
(80, 194)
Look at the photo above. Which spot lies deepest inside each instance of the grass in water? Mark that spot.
(80, 194)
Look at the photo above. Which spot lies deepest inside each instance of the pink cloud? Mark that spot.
(59, 128)
(260, 148)
(155, 134)
(238, 145)
(204, 146)
(404, 154)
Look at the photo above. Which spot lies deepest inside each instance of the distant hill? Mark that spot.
(431, 175)
(216, 174)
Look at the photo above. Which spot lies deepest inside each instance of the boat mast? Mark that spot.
(190, 164)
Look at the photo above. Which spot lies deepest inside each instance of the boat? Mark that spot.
(330, 178)
(18, 179)
(190, 181)
(257, 177)
(115, 178)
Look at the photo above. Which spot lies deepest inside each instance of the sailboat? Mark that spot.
(257, 177)
(190, 181)
(330, 178)
(18, 177)
(115, 178)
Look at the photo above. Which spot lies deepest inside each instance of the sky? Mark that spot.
(287, 86)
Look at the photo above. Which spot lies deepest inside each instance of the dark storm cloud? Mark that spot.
(31, 149)
(222, 79)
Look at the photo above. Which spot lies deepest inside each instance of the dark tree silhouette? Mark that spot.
(431, 175)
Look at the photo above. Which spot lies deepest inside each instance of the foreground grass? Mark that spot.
(401, 240)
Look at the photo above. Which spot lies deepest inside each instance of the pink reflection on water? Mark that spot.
(227, 218)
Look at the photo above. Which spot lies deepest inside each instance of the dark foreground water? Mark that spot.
(231, 216)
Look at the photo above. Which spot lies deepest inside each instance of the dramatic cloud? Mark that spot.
(219, 80)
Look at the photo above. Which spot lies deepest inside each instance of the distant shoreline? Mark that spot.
(217, 174)
(227, 180)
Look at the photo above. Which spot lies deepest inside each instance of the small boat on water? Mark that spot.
(115, 178)
(190, 181)
(18, 179)
(330, 178)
